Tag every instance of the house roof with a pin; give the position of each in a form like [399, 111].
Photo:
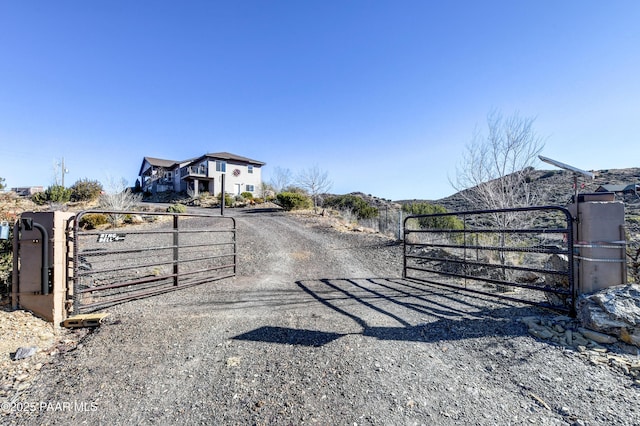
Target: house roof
[625, 187]
[160, 162]
[169, 164]
[157, 162]
[232, 157]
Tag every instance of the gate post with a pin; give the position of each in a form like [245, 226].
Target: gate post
[600, 251]
[36, 272]
[222, 195]
[16, 264]
[175, 249]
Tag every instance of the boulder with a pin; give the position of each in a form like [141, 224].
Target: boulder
[23, 353]
[557, 262]
[136, 219]
[614, 311]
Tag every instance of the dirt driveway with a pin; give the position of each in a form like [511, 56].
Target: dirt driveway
[318, 328]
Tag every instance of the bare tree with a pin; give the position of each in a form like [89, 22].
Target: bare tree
[315, 182]
[281, 178]
[495, 173]
[119, 197]
[495, 170]
[266, 190]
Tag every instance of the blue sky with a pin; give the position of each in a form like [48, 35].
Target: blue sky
[383, 95]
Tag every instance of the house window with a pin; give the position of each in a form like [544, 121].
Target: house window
[250, 169]
[250, 188]
[221, 166]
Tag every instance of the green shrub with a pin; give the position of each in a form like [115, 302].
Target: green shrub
[294, 201]
[437, 222]
[353, 203]
[633, 219]
[59, 194]
[228, 200]
[86, 190]
[247, 195]
[39, 198]
[177, 208]
[53, 194]
[294, 189]
[93, 220]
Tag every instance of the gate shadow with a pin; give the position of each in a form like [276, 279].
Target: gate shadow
[421, 313]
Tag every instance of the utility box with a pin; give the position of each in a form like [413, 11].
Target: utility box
[600, 247]
[40, 279]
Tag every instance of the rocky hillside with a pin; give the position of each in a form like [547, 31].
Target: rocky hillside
[557, 187]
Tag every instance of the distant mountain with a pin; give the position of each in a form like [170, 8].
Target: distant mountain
[557, 187]
[557, 190]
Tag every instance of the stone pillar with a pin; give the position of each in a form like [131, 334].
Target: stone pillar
[196, 184]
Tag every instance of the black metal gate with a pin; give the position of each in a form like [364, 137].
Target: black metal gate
[523, 254]
[140, 254]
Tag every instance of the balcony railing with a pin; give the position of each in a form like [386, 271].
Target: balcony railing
[194, 171]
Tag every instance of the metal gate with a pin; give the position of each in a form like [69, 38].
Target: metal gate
[6, 253]
[522, 254]
[142, 254]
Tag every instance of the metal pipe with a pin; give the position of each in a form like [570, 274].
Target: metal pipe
[222, 195]
[15, 276]
[45, 258]
[75, 263]
[176, 250]
[623, 238]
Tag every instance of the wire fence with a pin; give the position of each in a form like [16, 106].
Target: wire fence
[388, 221]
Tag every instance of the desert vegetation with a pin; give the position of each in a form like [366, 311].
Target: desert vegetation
[293, 201]
[83, 194]
[84, 190]
[353, 204]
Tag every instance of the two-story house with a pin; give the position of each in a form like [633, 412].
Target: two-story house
[201, 174]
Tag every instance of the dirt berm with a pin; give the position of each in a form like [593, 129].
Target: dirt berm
[319, 328]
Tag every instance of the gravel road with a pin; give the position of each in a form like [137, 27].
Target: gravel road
[319, 328]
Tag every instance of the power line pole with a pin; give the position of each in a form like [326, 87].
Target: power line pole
[63, 171]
